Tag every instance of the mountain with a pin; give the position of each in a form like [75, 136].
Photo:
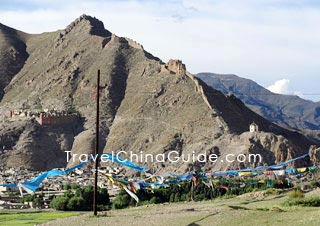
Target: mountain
[147, 106]
[286, 110]
[13, 54]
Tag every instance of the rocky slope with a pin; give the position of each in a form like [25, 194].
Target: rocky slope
[146, 105]
[286, 110]
[12, 54]
[26, 144]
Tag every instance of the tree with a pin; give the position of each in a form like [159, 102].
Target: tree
[103, 196]
[176, 197]
[76, 203]
[74, 186]
[60, 203]
[66, 186]
[153, 200]
[81, 199]
[121, 201]
[87, 195]
[171, 197]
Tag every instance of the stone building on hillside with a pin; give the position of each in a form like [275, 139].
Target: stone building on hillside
[52, 120]
[46, 117]
[176, 66]
[253, 128]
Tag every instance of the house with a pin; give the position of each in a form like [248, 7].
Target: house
[253, 128]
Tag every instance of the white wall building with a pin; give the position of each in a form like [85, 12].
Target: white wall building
[253, 127]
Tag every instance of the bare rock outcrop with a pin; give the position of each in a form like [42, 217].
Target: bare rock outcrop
[314, 153]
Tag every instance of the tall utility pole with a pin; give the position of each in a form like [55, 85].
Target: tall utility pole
[96, 163]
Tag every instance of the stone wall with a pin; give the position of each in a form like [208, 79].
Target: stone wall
[199, 89]
[51, 120]
[176, 66]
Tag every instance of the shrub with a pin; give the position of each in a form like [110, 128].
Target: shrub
[310, 201]
[296, 193]
[37, 200]
[177, 197]
[66, 186]
[87, 194]
[27, 198]
[68, 194]
[76, 203]
[38, 107]
[121, 201]
[171, 197]
[184, 192]
[273, 191]
[60, 203]
[81, 199]
[153, 200]
[185, 197]
[74, 186]
[200, 197]
[103, 208]
[32, 198]
[314, 184]
[103, 196]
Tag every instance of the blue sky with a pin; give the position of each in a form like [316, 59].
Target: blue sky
[274, 42]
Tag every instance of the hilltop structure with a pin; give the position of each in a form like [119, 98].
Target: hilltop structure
[253, 128]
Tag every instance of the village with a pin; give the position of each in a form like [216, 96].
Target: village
[53, 186]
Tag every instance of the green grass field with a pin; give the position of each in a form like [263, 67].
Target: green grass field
[30, 218]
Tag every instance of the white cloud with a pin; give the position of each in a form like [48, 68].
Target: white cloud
[280, 86]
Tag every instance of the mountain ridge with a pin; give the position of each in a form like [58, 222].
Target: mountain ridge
[13, 54]
[146, 105]
[286, 110]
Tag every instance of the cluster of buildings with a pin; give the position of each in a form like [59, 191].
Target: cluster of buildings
[10, 196]
[46, 117]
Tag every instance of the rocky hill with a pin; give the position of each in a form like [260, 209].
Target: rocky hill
[13, 54]
[146, 105]
[286, 110]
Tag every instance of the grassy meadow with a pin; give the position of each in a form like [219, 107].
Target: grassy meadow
[30, 217]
